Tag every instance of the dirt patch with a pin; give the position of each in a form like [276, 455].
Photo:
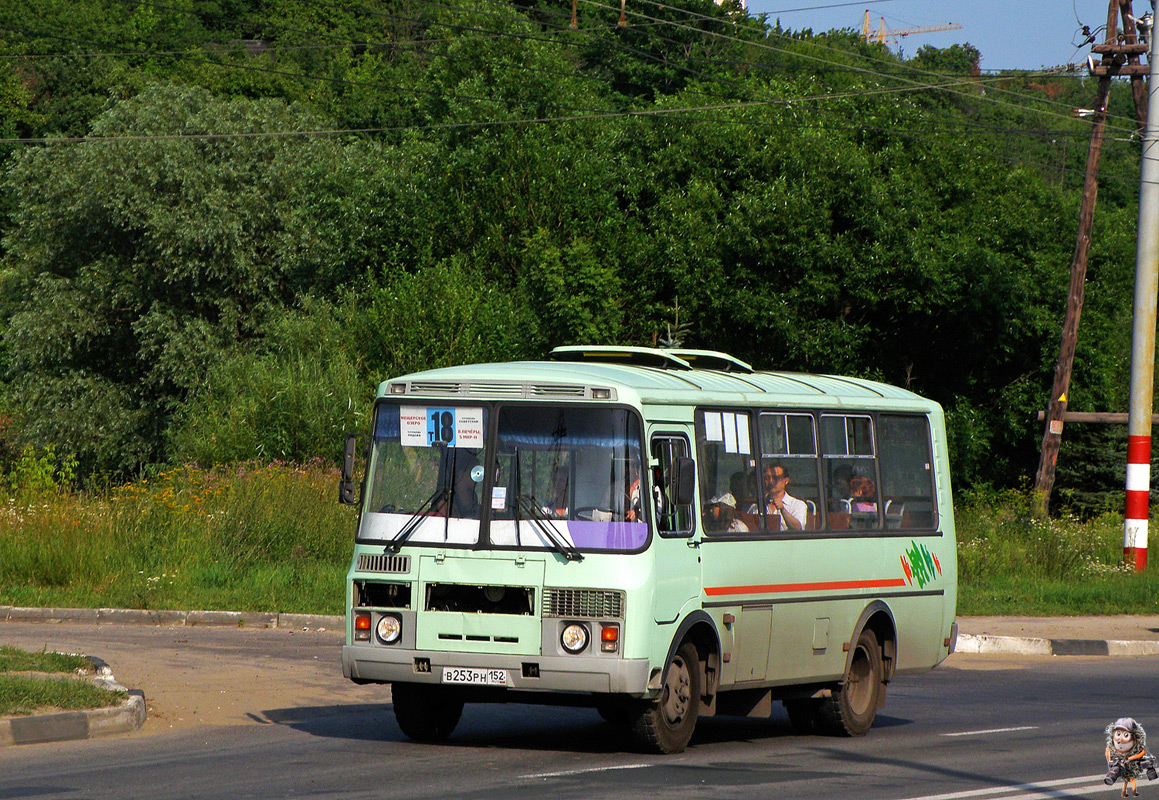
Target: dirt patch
[205, 676]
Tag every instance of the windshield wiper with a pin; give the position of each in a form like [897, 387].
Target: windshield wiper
[412, 524]
[535, 512]
[546, 527]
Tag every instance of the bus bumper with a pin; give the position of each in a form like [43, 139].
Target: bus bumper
[374, 664]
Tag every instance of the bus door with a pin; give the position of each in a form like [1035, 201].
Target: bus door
[677, 563]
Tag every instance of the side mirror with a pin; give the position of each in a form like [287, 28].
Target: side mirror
[684, 480]
[347, 495]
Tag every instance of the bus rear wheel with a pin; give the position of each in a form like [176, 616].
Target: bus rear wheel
[666, 725]
[425, 713]
[850, 710]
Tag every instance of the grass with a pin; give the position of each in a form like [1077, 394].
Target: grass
[14, 660]
[244, 537]
[1009, 562]
[273, 538]
[21, 695]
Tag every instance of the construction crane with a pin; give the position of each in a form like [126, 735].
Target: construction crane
[886, 36]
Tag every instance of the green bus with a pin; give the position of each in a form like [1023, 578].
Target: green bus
[661, 534]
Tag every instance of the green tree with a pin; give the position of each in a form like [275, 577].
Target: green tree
[135, 260]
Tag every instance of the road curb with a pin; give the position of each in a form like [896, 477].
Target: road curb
[70, 725]
[1030, 646]
[132, 616]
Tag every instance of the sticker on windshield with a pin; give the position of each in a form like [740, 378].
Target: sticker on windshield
[412, 424]
[454, 427]
[469, 427]
[498, 498]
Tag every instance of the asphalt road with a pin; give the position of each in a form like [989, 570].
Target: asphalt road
[978, 726]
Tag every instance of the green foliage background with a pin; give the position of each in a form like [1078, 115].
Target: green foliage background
[222, 223]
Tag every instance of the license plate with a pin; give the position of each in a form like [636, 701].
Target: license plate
[479, 677]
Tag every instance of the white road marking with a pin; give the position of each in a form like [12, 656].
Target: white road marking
[581, 771]
[1030, 791]
[993, 730]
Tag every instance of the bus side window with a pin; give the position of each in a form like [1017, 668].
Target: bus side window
[907, 476]
[849, 457]
[725, 457]
[672, 517]
[789, 445]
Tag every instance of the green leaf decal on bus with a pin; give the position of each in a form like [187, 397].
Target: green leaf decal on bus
[920, 565]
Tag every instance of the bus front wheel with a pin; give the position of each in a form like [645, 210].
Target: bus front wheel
[853, 705]
[666, 725]
[425, 713]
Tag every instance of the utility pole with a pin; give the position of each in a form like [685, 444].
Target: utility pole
[1143, 341]
[1118, 58]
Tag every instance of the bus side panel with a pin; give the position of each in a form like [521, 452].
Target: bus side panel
[794, 604]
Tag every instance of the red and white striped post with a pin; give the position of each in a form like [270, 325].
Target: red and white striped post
[1143, 332]
[1138, 495]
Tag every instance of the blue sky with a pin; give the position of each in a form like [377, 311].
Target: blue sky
[1012, 34]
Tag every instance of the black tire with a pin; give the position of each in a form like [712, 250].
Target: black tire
[666, 725]
[425, 713]
[853, 705]
[804, 714]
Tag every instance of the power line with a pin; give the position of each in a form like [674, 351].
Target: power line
[815, 44]
[590, 115]
[677, 113]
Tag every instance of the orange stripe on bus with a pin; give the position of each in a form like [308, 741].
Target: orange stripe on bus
[714, 591]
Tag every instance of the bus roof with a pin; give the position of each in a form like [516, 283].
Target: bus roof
[648, 375]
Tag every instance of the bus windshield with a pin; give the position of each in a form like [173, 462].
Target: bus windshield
[425, 475]
[556, 477]
[568, 474]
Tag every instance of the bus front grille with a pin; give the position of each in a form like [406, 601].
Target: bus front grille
[399, 565]
[593, 603]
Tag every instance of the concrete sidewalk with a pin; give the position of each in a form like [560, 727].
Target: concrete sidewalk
[1121, 635]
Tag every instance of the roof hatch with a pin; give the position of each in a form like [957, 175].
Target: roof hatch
[652, 357]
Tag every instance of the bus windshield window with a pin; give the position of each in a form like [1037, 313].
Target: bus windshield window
[425, 474]
[569, 476]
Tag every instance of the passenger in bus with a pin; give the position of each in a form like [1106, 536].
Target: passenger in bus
[720, 516]
[633, 512]
[839, 487]
[862, 492]
[743, 486]
[781, 508]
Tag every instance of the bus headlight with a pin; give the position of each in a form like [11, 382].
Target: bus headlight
[389, 629]
[574, 638]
